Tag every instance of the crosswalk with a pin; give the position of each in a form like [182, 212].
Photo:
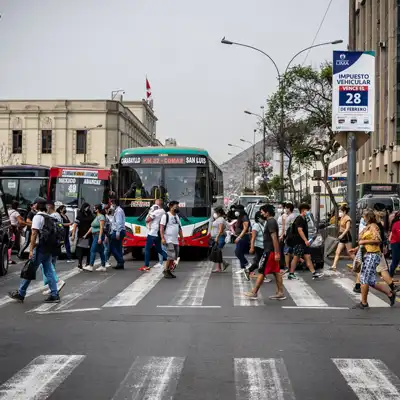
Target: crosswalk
[159, 378]
[106, 291]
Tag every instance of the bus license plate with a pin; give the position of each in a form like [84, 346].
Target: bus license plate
[137, 229]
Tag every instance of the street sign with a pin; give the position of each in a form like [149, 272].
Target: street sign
[353, 91]
[337, 178]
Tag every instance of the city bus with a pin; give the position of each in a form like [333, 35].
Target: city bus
[373, 189]
[23, 183]
[187, 175]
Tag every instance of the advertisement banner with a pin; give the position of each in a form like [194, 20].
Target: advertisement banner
[353, 91]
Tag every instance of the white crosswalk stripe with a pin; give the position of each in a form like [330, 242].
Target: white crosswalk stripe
[240, 286]
[303, 294]
[40, 378]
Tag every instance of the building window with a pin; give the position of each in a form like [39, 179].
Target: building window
[17, 142]
[46, 141]
[81, 137]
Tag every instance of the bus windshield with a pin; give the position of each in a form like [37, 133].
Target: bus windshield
[76, 192]
[25, 190]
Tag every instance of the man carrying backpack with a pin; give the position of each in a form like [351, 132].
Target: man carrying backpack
[43, 242]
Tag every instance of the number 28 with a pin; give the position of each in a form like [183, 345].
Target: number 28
[353, 98]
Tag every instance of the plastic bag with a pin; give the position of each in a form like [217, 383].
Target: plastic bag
[28, 271]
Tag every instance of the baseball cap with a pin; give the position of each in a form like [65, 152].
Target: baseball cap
[39, 200]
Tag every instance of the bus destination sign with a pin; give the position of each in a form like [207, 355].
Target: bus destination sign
[165, 160]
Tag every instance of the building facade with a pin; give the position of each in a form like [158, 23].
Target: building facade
[374, 25]
[57, 132]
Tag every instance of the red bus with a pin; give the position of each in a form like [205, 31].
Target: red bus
[75, 185]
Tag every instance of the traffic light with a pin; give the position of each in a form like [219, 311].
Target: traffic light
[337, 178]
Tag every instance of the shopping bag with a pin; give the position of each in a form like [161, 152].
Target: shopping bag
[83, 243]
[28, 271]
[358, 261]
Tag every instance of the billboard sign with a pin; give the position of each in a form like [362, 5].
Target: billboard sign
[353, 91]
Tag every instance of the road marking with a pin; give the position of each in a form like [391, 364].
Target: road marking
[348, 284]
[193, 290]
[303, 294]
[38, 286]
[40, 378]
[262, 379]
[72, 310]
[240, 286]
[152, 378]
[368, 378]
[315, 308]
[136, 291]
[188, 306]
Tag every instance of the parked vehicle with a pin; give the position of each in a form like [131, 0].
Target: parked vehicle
[390, 201]
[5, 237]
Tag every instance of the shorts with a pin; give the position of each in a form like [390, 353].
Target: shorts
[268, 264]
[382, 265]
[172, 251]
[346, 239]
[287, 250]
[300, 249]
[368, 269]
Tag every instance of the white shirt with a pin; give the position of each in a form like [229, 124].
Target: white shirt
[13, 214]
[281, 219]
[38, 220]
[156, 217]
[171, 232]
[57, 217]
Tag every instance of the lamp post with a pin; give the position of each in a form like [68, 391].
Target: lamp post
[262, 120]
[115, 92]
[254, 154]
[281, 87]
[87, 131]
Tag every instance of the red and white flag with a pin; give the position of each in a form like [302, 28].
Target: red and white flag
[148, 89]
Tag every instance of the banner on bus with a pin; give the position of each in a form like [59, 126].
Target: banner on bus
[165, 159]
[353, 91]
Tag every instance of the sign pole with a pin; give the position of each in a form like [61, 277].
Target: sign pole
[352, 182]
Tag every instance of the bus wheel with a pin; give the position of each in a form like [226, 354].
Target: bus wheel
[4, 260]
[137, 253]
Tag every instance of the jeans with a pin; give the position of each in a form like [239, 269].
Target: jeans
[53, 271]
[156, 241]
[44, 260]
[116, 247]
[242, 247]
[28, 234]
[97, 248]
[395, 258]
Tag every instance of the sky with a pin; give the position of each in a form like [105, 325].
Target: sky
[84, 49]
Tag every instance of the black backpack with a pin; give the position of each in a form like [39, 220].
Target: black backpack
[291, 233]
[52, 235]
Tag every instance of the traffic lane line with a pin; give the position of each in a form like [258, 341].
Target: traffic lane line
[315, 308]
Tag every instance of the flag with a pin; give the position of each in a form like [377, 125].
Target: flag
[148, 89]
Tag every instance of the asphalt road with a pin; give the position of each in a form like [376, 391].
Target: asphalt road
[132, 335]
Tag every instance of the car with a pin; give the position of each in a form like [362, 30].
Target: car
[5, 237]
[317, 247]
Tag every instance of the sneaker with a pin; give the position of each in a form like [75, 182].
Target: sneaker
[214, 271]
[101, 269]
[16, 296]
[158, 265]
[177, 261]
[52, 299]
[88, 268]
[70, 261]
[108, 265]
[392, 299]
[60, 285]
[167, 274]
[80, 267]
[118, 267]
[225, 265]
[246, 274]
[292, 276]
[267, 280]
[317, 275]
[251, 295]
[278, 297]
[361, 306]
[144, 269]
[241, 270]
[171, 274]
[357, 289]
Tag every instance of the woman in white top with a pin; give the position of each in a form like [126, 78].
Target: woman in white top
[218, 236]
[17, 223]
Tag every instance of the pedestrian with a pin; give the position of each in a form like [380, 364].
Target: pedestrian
[41, 252]
[28, 230]
[153, 220]
[170, 231]
[282, 216]
[345, 240]
[51, 211]
[117, 235]
[256, 244]
[394, 238]
[17, 224]
[270, 261]
[108, 230]
[97, 231]
[242, 241]
[288, 247]
[301, 244]
[62, 211]
[81, 226]
[369, 245]
[218, 240]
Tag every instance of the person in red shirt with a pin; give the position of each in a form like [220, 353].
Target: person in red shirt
[394, 238]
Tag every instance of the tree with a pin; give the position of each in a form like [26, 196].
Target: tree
[6, 157]
[305, 101]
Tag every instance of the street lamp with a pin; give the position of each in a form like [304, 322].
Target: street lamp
[281, 86]
[235, 145]
[115, 92]
[254, 155]
[87, 130]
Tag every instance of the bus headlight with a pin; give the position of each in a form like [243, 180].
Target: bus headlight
[202, 229]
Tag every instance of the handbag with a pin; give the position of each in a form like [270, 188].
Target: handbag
[358, 261]
[83, 243]
[28, 271]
